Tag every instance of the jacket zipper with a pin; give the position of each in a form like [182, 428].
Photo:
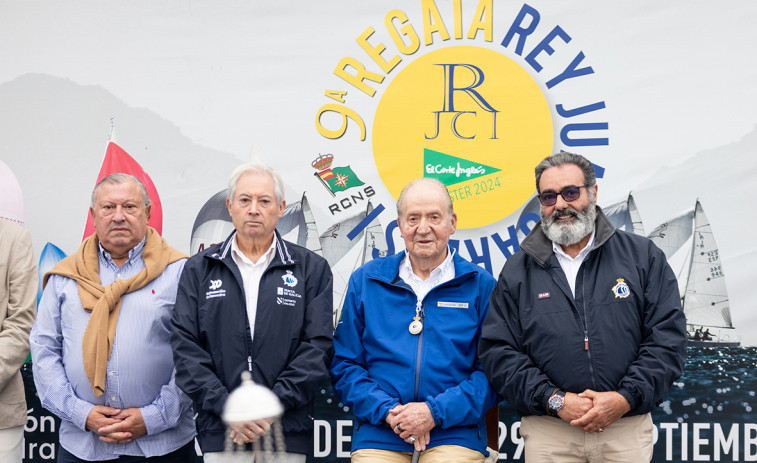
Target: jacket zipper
[274, 264]
[423, 318]
[585, 318]
[420, 349]
[582, 317]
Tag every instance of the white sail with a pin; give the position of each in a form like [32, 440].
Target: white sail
[373, 246]
[212, 224]
[637, 227]
[705, 300]
[674, 238]
[291, 224]
[312, 240]
[625, 216]
[374, 243]
[336, 242]
[670, 236]
[297, 225]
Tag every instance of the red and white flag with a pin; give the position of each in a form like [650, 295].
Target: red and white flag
[117, 160]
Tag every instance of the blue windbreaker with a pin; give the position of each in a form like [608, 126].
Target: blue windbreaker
[379, 364]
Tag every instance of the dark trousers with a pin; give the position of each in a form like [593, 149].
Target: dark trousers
[184, 454]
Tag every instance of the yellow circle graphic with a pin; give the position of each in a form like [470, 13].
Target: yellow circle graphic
[470, 117]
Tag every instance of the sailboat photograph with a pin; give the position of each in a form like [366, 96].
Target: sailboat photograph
[690, 247]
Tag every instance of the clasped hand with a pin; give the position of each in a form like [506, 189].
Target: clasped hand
[250, 431]
[116, 426]
[413, 423]
[593, 411]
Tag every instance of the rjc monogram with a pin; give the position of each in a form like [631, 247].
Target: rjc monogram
[449, 100]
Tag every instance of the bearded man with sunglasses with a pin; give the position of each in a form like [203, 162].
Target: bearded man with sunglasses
[585, 332]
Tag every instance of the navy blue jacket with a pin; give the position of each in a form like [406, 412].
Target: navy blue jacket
[289, 353]
[623, 331]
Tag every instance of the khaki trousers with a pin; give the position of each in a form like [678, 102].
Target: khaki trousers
[549, 439]
[11, 440]
[440, 454]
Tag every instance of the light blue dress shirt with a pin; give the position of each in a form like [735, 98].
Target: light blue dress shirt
[140, 372]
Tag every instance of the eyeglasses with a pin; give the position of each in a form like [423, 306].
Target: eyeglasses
[569, 194]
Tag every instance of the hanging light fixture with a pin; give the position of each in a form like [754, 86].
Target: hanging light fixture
[251, 402]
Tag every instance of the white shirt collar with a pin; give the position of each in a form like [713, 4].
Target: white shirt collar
[239, 257]
[581, 255]
[441, 274]
[570, 265]
[406, 268]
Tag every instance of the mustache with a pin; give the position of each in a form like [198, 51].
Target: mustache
[567, 212]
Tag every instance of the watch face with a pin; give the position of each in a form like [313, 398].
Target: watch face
[556, 402]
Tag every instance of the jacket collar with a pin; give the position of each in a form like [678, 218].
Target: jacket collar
[388, 268]
[538, 246]
[281, 255]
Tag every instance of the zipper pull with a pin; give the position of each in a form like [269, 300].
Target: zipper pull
[586, 342]
[249, 363]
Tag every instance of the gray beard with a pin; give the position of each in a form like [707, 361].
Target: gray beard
[567, 234]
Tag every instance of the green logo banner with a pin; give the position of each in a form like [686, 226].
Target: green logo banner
[342, 179]
[451, 169]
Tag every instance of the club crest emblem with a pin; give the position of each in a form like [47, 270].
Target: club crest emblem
[289, 279]
[621, 289]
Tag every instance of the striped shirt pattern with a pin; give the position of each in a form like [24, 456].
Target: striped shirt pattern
[140, 371]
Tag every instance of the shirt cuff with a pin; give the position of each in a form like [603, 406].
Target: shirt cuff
[80, 412]
[153, 419]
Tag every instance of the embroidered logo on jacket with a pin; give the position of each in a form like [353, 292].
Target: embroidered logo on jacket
[543, 296]
[287, 302]
[621, 289]
[288, 292]
[289, 279]
[214, 289]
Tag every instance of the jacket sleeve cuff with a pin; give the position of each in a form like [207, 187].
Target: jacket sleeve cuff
[384, 411]
[544, 402]
[630, 396]
[433, 406]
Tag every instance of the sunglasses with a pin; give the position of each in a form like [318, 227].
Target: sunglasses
[569, 194]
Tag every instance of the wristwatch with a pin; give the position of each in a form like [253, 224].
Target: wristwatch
[555, 402]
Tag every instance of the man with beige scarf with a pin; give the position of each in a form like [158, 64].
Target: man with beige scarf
[102, 358]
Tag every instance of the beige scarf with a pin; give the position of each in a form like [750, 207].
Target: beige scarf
[104, 302]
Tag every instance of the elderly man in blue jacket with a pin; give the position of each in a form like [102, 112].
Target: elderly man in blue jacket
[405, 349]
[586, 333]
